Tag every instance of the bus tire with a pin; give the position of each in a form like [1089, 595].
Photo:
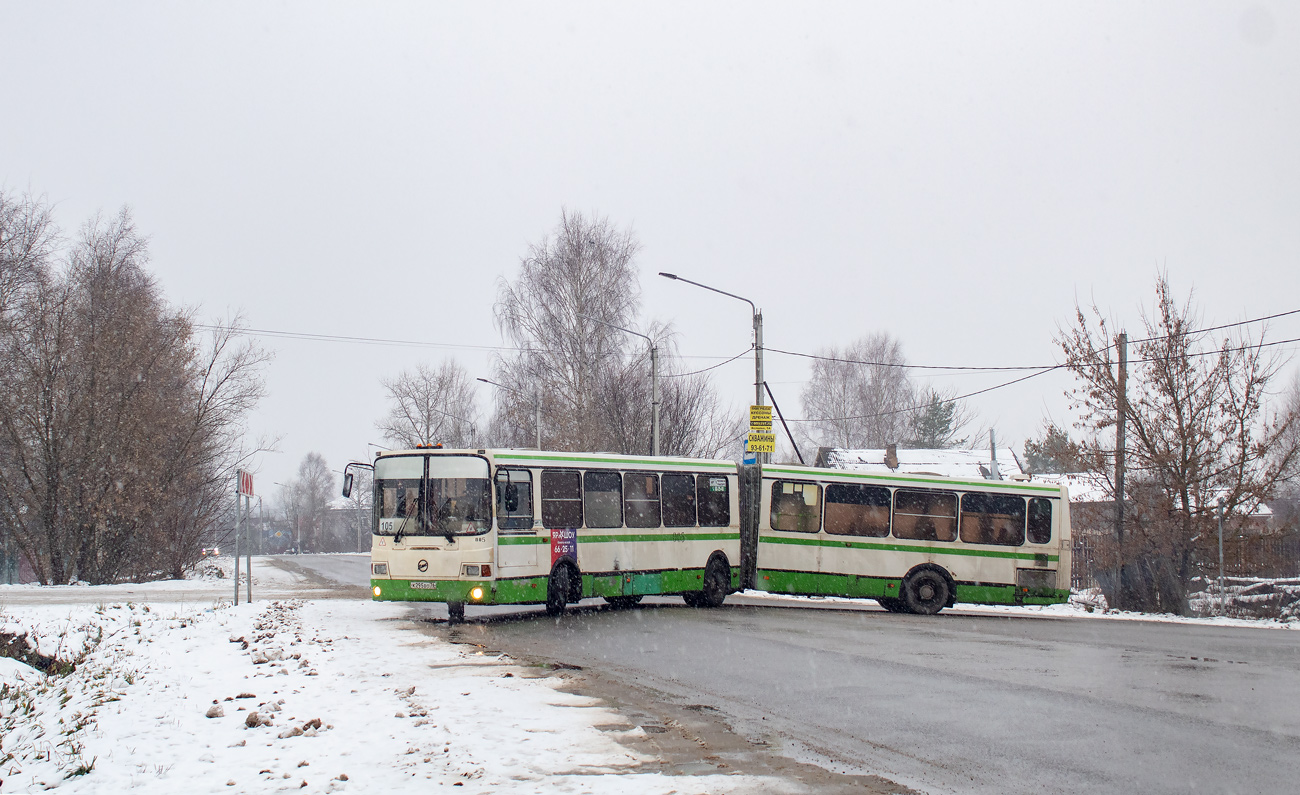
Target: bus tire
[892, 604]
[455, 612]
[717, 583]
[622, 602]
[926, 591]
[559, 587]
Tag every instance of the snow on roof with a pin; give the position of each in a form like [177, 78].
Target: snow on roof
[1083, 486]
[946, 463]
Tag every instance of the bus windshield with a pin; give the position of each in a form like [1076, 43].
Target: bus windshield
[460, 496]
[454, 496]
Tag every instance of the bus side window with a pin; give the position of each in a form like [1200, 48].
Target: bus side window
[714, 501]
[796, 507]
[679, 500]
[993, 519]
[514, 499]
[853, 510]
[925, 515]
[1040, 521]
[602, 499]
[561, 498]
[641, 499]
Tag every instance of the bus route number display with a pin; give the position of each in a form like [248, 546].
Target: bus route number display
[564, 543]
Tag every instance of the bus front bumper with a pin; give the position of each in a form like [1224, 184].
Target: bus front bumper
[480, 592]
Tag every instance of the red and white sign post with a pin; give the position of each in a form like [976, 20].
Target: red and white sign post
[244, 490]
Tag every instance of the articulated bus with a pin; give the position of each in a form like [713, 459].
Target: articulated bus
[497, 527]
[492, 527]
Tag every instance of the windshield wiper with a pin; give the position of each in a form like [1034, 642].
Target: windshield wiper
[401, 531]
[439, 519]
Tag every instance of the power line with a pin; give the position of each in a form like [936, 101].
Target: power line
[1023, 367]
[1046, 370]
[312, 337]
[710, 367]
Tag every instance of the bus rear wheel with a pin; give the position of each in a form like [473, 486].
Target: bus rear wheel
[925, 592]
[558, 587]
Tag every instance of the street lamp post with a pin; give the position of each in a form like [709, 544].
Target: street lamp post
[654, 379]
[758, 338]
[537, 407]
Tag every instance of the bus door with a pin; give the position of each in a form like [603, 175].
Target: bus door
[517, 540]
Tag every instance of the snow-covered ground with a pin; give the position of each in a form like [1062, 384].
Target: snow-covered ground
[348, 695]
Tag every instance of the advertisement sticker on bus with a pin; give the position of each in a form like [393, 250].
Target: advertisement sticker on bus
[564, 543]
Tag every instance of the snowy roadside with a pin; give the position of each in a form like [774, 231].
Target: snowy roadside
[347, 697]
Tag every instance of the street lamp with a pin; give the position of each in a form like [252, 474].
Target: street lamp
[654, 379]
[758, 337]
[537, 406]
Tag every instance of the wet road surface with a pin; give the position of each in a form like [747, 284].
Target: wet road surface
[957, 703]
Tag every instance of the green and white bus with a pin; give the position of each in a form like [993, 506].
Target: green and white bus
[491, 527]
[914, 543]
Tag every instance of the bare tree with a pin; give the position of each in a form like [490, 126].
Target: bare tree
[593, 381]
[306, 502]
[428, 406]
[112, 443]
[859, 396]
[27, 238]
[1198, 432]
[585, 270]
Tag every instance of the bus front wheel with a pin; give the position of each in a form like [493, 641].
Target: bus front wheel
[455, 612]
[558, 587]
[925, 592]
[717, 582]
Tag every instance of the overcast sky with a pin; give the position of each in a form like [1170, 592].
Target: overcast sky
[956, 174]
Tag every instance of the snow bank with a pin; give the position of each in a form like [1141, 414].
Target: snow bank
[326, 696]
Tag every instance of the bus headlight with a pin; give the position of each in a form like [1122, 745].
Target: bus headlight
[376, 591]
[475, 593]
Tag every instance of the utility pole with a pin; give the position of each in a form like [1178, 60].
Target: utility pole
[248, 568]
[237, 506]
[1121, 412]
[1223, 599]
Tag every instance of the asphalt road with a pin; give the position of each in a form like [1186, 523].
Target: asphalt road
[953, 703]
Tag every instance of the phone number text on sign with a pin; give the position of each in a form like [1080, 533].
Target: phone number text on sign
[564, 543]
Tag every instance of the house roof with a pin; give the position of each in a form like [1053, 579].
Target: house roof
[945, 463]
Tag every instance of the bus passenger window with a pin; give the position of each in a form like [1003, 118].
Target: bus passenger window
[714, 501]
[561, 499]
[1040, 521]
[796, 507]
[925, 515]
[679, 500]
[853, 510]
[514, 499]
[641, 499]
[993, 519]
[602, 499]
